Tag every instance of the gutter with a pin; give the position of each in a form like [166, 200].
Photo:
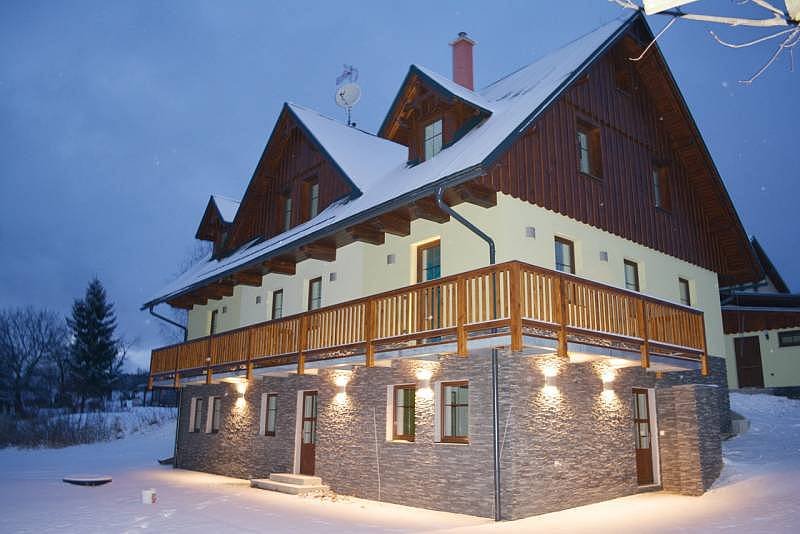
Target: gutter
[168, 320]
[495, 395]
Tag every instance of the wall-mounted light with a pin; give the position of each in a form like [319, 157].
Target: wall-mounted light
[424, 389]
[340, 380]
[550, 371]
[607, 377]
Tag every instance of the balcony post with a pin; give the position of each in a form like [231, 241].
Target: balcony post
[561, 312]
[150, 383]
[208, 370]
[369, 333]
[515, 298]
[176, 383]
[461, 316]
[301, 345]
[643, 330]
[249, 355]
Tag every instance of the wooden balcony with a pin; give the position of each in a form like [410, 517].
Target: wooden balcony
[449, 314]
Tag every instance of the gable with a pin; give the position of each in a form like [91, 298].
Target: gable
[648, 125]
[424, 97]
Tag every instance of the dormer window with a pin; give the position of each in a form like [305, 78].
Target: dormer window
[433, 139]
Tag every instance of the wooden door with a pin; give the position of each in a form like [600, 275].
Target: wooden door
[644, 442]
[748, 362]
[308, 433]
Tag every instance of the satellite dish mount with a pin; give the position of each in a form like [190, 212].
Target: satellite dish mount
[348, 94]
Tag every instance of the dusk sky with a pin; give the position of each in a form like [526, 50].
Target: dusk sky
[118, 119]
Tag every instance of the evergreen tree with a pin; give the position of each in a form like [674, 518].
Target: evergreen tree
[95, 356]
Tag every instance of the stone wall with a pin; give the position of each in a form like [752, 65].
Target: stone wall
[562, 446]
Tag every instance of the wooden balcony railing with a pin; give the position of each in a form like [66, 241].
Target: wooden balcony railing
[528, 302]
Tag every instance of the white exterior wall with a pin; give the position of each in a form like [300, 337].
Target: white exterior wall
[781, 365]
[361, 269]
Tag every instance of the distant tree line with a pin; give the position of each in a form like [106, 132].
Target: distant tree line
[50, 362]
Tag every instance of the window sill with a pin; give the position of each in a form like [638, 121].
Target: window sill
[665, 211]
[402, 441]
[457, 443]
[590, 176]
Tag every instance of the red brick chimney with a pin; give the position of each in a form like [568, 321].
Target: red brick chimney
[462, 60]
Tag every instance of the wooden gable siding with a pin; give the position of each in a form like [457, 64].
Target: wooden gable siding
[542, 167]
[297, 162]
[289, 159]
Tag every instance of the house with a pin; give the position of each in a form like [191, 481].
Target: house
[762, 331]
[508, 296]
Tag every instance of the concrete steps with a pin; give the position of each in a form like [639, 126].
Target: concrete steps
[289, 483]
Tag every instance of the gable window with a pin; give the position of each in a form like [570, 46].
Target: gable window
[790, 338]
[683, 289]
[631, 275]
[310, 198]
[315, 293]
[214, 413]
[565, 255]
[429, 261]
[212, 327]
[269, 412]
[433, 139]
[277, 304]
[196, 415]
[589, 159]
[455, 412]
[404, 412]
[287, 212]
[661, 193]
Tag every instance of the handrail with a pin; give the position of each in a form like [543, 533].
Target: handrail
[459, 303]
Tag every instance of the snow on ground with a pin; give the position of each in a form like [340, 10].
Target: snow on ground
[757, 492]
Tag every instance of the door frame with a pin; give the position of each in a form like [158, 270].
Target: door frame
[738, 346]
[298, 428]
[652, 415]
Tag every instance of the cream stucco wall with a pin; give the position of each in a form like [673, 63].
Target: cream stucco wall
[363, 269]
[781, 365]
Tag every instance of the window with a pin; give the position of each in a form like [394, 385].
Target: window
[404, 412]
[589, 161]
[311, 198]
[287, 212]
[429, 261]
[790, 338]
[631, 275]
[315, 293]
[455, 412]
[196, 415]
[258, 299]
[565, 255]
[683, 289]
[216, 406]
[269, 412]
[277, 304]
[433, 139]
[212, 329]
[661, 194]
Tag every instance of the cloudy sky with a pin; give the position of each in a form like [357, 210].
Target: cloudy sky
[119, 118]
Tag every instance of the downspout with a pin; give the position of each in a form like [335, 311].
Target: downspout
[170, 321]
[495, 397]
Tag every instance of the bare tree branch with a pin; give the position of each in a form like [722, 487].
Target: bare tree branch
[749, 43]
[769, 7]
[639, 58]
[789, 42]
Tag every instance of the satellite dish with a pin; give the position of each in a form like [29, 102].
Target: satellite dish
[348, 95]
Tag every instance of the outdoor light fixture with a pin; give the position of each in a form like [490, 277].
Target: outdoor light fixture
[608, 376]
[550, 371]
[341, 380]
[424, 376]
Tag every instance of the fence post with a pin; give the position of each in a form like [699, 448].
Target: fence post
[369, 333]
[704, 356]
[461, 316]
[562, 316]
[643, 331]
[515, 299]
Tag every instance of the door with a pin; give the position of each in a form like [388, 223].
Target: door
[429, 267]
[644, 442]
[308, 433]
[748, 362]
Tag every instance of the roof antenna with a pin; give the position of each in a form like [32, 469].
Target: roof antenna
[348, 94]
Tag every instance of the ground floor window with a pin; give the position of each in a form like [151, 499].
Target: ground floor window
[215, 405]
[269, 412]
[455, 412]
[404, 412]
[196, 415]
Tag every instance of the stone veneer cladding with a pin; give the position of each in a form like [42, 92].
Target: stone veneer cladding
[559, 450]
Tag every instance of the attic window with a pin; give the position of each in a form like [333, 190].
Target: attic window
[433, 139]
[310, 198]
[661, 194]
[589, 158]
[286, 209]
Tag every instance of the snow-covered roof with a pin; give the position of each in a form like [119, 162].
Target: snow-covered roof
[227, 207]
[379, 168]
